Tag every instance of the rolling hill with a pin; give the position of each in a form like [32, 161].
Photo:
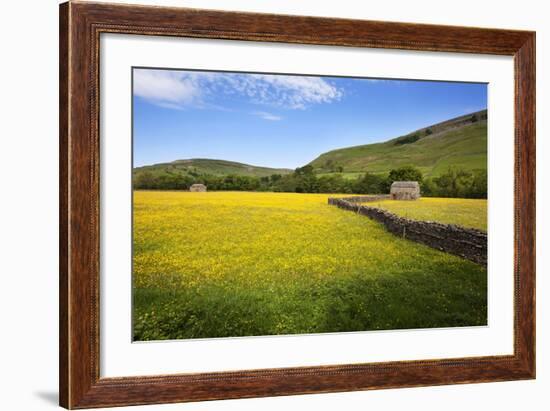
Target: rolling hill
[461, 141]
[203, 166]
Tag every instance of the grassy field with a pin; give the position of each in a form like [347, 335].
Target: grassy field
[223, 264]
[459, 211]
[210, 167]
[347, 176]
[465, 147]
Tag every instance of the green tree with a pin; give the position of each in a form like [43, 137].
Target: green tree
[305, 170]
[407, 139]
[428, 188]
[478, 188]
[144, 180]
[455, 182]
[405, 173]
[369, 184]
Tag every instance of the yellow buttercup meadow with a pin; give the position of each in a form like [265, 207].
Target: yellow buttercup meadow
[219, 264]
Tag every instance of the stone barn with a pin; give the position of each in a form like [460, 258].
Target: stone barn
[198, 188]
[405, 190]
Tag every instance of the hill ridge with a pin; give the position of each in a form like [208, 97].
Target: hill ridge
[458, 141]
[210, 166]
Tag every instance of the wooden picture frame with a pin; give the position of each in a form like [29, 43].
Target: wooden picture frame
[80, 27]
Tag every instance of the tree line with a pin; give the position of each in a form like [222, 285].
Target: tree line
[455, 182]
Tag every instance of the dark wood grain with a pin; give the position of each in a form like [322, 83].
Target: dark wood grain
[63, 205]
[525, 203]
[80, 27]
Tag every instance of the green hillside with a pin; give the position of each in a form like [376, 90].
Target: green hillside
[200, 166]
[461, 141]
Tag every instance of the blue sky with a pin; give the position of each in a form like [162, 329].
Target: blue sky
[281, 120]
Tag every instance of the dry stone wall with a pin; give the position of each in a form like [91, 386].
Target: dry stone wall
[467, 243]
[363, 199]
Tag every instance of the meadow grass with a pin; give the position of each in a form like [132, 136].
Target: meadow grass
[227, 264]
[464, 147]
[460, 211]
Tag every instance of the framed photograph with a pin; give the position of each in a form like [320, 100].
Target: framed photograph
[257, 205]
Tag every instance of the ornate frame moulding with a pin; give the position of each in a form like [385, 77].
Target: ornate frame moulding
[81, 24]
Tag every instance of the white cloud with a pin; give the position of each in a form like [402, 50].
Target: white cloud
[164, 87]
[180, 89]
[296, 91]
[267, 116]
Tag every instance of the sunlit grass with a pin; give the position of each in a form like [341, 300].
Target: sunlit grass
[221, 264]
[460, 211]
